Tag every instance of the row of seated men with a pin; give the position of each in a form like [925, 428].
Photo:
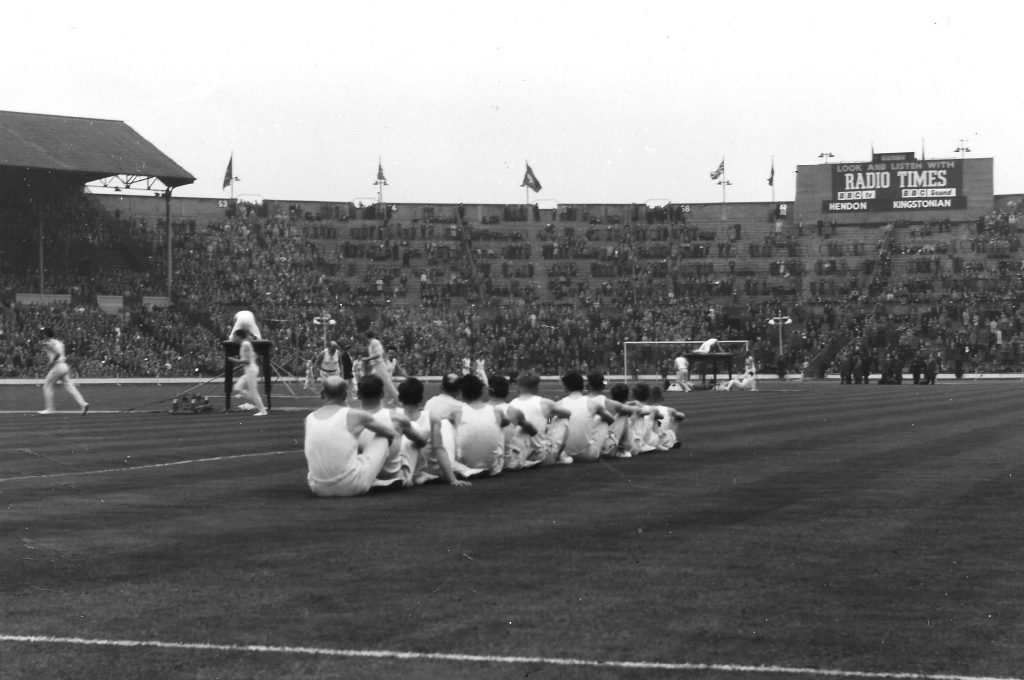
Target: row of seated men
[469, 429]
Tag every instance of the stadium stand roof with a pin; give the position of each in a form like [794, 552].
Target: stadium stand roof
[87, 148]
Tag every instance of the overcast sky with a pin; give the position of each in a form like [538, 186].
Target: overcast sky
[609, 102]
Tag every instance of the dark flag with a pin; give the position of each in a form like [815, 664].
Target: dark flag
[380, 173]
[771, 177]
[229, 173]
[719, 171]
[530, 179]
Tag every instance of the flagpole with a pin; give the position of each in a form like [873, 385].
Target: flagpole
[526, 210]
[724, 183]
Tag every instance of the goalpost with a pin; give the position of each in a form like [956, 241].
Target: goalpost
[656, 358]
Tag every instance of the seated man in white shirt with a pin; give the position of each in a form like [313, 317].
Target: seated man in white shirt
[480, 441]
[341, 463]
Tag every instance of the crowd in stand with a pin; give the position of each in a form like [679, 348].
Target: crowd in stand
[443, 291]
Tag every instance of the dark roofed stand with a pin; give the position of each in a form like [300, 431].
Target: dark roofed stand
[84, 150]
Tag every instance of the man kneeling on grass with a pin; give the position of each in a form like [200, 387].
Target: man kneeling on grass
[341, 463]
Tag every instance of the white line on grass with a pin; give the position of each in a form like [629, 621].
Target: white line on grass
[147, 467]
[475, 658]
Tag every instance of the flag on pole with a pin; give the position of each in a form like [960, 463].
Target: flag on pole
[229, 173]
[380, 172]
[771, 177]
[530, 180]
[719, 171]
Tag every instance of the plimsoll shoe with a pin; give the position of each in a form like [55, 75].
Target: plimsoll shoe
[85, 409]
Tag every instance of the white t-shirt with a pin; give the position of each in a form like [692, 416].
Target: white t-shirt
[581, 423]
[331, 450]
[480, 440]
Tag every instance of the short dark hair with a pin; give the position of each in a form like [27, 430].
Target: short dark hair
[370, 387]
[47, 331]
[641, 392]
[410, 391]
[450, 383]
[498, 386]
[656, 392]
[620, 392]
[596, 380]
[471, 386]
[573, 381]
[529, 380]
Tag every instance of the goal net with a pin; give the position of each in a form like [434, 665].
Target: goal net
[655, 359]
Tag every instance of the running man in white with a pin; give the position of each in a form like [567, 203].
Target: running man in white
[683, 373]
[245, 384]
[341, 462]
[245, 321]
[57, 372]
[375, 365]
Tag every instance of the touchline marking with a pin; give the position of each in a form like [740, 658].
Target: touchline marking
[147, 467]
[475, 658]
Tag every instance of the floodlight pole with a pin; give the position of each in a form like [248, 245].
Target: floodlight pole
[39, 230]
[170, 249]
[780, 321]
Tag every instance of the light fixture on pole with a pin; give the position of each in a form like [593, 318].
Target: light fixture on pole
[780, 321]
[962, 149]
[326, 321]
[826, 155]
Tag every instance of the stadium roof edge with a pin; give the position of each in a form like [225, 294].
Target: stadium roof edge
[86, 148]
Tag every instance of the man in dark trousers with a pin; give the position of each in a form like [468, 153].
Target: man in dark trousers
[346, 363]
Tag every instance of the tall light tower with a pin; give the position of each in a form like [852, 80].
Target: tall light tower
[780, 321]
[326, 321]
[962, 149]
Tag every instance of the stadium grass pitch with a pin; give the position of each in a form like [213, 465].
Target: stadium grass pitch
[809, 529]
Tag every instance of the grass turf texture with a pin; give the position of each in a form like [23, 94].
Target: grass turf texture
[809, 525]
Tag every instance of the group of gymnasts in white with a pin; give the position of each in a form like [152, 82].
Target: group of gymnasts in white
[471, 428]
[747, 382]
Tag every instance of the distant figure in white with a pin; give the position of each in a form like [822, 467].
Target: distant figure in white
[245, 384]
[57, 372]
[683, 373]
[245, 321]
[708, 346]
[745, 383]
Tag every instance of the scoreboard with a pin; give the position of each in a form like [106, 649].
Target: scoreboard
[895, 182]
